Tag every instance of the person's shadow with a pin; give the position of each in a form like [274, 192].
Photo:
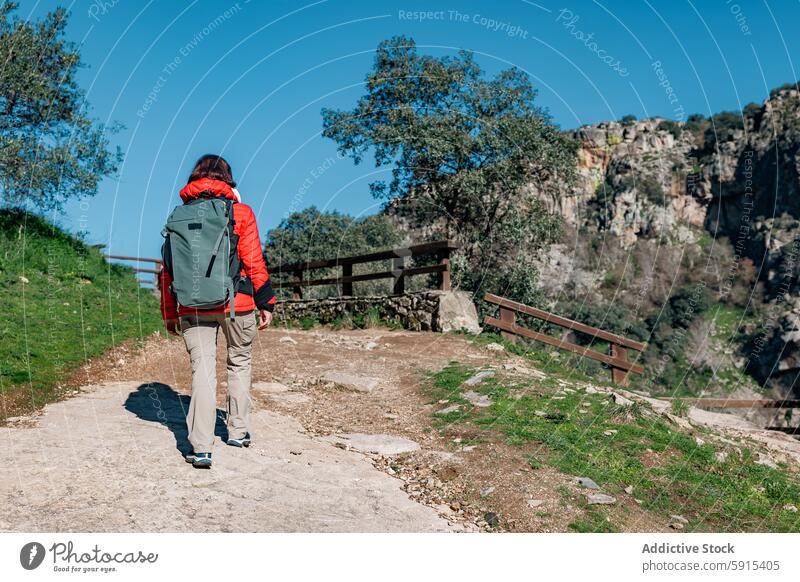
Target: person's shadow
[156, 402]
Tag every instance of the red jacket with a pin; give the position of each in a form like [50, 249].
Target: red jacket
[250, 255]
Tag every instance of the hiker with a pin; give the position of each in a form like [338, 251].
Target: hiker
[215, 277]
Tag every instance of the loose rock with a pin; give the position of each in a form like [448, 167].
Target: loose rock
[351, 381]
[480, 400]
[381, 444]
[479, 377]
[449, 409]
[621, 400]
[600, 499]
[270, 387]
[588, 483]
[766, 460]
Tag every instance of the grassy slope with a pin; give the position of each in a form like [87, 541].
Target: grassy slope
[671, 472]
[73, 306]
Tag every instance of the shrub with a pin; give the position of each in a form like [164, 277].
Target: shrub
[722, 125]
[696, 123]
[652, 191]
[670, 126]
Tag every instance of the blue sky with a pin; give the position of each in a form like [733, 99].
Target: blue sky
[248, 79]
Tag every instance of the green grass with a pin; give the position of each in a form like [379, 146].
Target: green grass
[73, 306]
[679, 407]
[552, 361]
[669, 470]
[704, 242]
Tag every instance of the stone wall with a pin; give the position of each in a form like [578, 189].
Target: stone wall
[422, 311]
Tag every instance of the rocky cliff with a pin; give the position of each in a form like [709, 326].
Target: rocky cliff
[662, 206]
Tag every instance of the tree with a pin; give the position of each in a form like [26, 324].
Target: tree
[50, 150]
[311, 234]
[473, 158]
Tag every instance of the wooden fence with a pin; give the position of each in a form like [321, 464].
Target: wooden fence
[617, 360]
[299, 271]
[137, 269]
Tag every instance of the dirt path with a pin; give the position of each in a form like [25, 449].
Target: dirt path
[109, 458]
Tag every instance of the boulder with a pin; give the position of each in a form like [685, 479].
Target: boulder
[456, 312]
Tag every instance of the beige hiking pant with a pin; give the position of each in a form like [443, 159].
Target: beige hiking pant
[200, 334]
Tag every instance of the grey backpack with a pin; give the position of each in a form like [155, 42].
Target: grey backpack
[200, 253]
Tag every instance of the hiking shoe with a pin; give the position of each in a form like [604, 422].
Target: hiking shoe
[242, 442]
[200, 460]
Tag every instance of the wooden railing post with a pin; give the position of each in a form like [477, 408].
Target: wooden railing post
[398, 278]
[298, 275]
[444, 276]
[617, 359]
[508, 316]
[347, 286]
[618, 375]
[297, 290]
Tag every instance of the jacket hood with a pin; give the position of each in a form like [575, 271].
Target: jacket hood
[218, 188]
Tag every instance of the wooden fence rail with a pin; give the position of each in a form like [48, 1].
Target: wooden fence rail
[398, 274]
[617, 360]
[158, 266]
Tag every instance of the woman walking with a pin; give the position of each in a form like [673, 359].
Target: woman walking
[202, 292]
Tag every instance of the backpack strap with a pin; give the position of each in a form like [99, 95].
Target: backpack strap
[228, 232]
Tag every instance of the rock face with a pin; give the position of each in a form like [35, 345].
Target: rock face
[655, 177]
[442, 311]
[727, 187]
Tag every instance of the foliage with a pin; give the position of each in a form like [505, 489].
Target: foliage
[784, 87]
[629, 119]
[722, 124]
[465, 152]
[751, 110]
[62, 303]
[696, 123]
[50, 151]
[614, 317]
[650, 188]
[670, 126]
[313, 234]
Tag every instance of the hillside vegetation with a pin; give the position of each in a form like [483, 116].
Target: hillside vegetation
[62, 303]
[681, 473]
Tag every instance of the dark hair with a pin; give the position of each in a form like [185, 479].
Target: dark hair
[214, 167]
